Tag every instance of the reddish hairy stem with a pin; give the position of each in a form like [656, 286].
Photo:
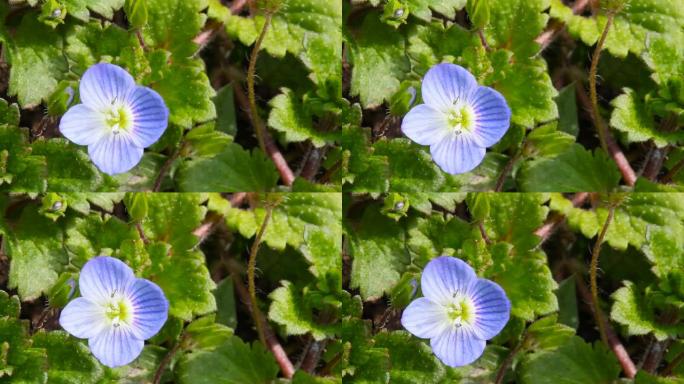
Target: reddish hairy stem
[272, 150]
[209, 225]
[550, 34]
[613, 149]
[614, 342]
[272, 342]
[552, 223]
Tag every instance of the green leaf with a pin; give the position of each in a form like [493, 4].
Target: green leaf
[547, 141]
[172, 217]
[186, 18]
[567, 172]
[411, 360]
[528, 90]
[136, 12]
[37, 63]
[233, 362]
[514, 217]
[379, 256]
[88, 44]
[632, 309]
[186, 91]
[293, 23]
[186, 282]
[581, 362]
[232, 170]
[79, 8]
[69, 168]
[567, 110]
[68, 360]
[528, 283]
[20, 170]
[515, 24]
[204, 333]
[410, 166]
[225, 303]
[631, 116]
[19, 362]
[421, 8]
[293, 219]
[289, 308]
[638, 215]
[36, 254]
[379, 62]
[9, 305]
[643, 377]
[225, 110]
[637, 22]
[289, 116]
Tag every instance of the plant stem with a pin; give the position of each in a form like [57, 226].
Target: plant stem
[607, 142]
[251, 268]
[593, 270]
[614, 343]
[507, 362]
[167, 359]
[271, 341]
[166, 166]
[272, 150]
[256, 120]
[552, 223]
[673, 364]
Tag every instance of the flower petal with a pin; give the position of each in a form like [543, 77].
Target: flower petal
[103, 83]
[150, 308]
[457, 347]
[493, 117]
[425, 125]
[457, 154]
[424, 318]
[492, 308]
[445, 83]
[116, 346]
[115, 153]
[83, 125]
[150, 116]
[444, 276]
[82, 318]
[103, 275]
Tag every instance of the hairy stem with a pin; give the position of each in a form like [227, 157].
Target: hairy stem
[271, 341]
[167, 359]
[673, 364]
[607, 142]
[272, 150]
[509, 359]
[614, 343]
[251, 71]
[251, 268]
[552, 223]
[593, 270]
[166, 166]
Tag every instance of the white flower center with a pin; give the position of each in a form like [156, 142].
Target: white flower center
[461, 117]
[118, 310]
[119, 117]
[460, 311]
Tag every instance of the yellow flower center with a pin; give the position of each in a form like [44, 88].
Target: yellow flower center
[118, 311]
[460, 311]
[119, 118]
[461, 118]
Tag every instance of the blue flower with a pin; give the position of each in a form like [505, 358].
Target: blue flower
[458, 313]
[116, 311]
[116, 119]
[458, 120]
